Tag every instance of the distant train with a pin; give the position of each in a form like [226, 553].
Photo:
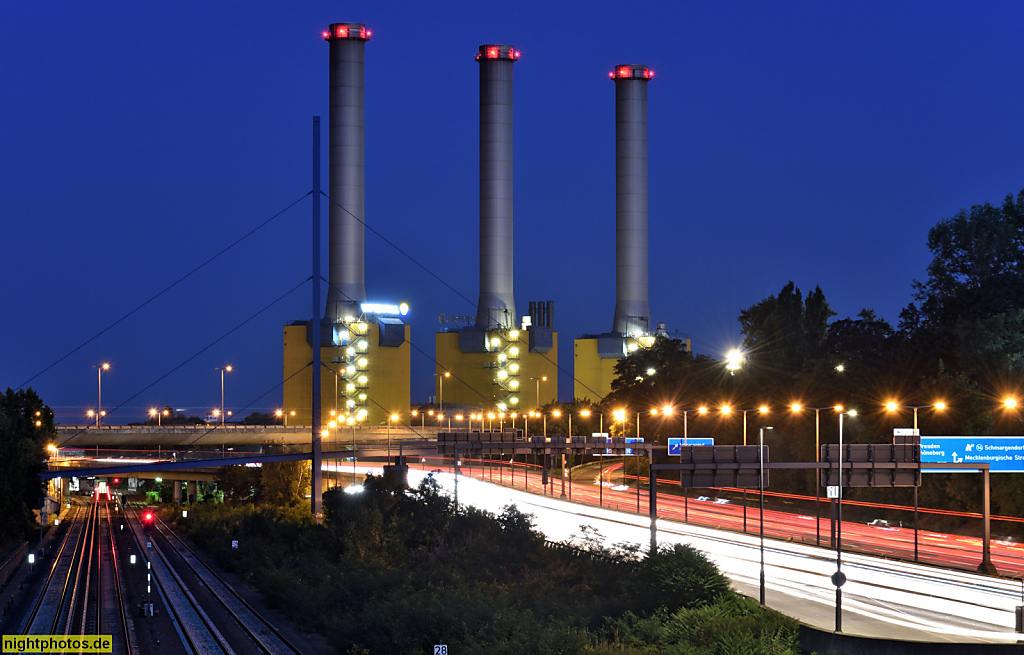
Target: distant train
[102, 491]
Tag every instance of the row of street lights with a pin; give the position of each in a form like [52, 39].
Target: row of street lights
[99, 412]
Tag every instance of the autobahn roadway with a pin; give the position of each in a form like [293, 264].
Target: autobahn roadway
[947, 550]
[883, 598]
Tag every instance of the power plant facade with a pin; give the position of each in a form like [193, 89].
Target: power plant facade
[492, 363]
[497, 360]
[595, 355]
[364, 346]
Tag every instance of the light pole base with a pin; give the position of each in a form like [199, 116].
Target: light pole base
[987, 568]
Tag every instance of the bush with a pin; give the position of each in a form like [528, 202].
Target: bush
[397, 571]
[682, 577]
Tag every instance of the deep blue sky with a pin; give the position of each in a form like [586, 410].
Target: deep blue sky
[813, 142]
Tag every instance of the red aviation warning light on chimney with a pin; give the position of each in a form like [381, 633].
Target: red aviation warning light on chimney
[631, 72]
[347, 31]
[497, 52]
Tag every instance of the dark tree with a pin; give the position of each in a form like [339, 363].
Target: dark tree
[970, 311]
[26, 427]
[785, 333]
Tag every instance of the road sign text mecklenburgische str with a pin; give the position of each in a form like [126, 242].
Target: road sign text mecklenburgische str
[1002, 454]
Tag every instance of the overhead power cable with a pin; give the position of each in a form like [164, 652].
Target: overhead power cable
[204, 349]
[442, 281]
[165, 290]
[399, 250]
[255, 400]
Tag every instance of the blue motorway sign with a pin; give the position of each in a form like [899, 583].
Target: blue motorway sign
[1003, 454]
[674, 443]
[628, 451]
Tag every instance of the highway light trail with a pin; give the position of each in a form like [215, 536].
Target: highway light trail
[882, 597]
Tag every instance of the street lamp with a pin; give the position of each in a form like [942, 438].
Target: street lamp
[440, 389]
[284, 415]
[158, 414]
[838, 578]
[893, 406]
[222, 369]
[99, 390]
[760, 490]
[584, 413]
[393, 417]
[542, 378]
[817, 459]
[702, 410]
[733, 361]
[763, 409]
[686, 419]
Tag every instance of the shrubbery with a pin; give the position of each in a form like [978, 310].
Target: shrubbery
[396, 572]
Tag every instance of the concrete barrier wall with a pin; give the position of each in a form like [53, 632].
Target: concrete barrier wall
[230, 435]
[813, 640]
[15, 558]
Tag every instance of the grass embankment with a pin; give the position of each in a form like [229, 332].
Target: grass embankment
[390, 572]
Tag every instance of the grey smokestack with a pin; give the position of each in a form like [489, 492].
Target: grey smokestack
[346, 169]
[496, 307]
[632, 310]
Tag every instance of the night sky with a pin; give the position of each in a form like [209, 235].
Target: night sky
[813, 142]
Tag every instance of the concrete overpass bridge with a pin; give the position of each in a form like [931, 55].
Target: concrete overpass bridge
[218, 436]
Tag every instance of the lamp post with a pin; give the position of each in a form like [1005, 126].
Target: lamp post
[440, 389]
[324, 435]
[158, 413]
[839, 578]
[667, 410]
[760, 492]
[893, 406]
[763, 409]
[393, 417]
[99, 389]
[542, 378]
[817, 459]
[702, 410]
[584, 413]
[222, 369]
[284, 415]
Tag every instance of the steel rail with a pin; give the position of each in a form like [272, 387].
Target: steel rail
[69, 594]
[243, 624]
[185, 626]
[126, 629]
[53, 572]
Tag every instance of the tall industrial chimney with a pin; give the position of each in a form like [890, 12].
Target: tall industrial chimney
[632, 310]
[346, 170]
[496, 307]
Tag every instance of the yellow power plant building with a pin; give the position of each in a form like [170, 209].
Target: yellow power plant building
[497, 369]
[595, 357]
[365, 376]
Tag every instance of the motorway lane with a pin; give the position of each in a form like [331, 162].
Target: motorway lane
[948, 550]
[883, 598]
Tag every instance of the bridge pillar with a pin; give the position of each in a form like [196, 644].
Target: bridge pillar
[193, 491]
[63, 484]
[177, 492]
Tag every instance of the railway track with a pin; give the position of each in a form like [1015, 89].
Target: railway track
[81, 593]
[211, 616]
